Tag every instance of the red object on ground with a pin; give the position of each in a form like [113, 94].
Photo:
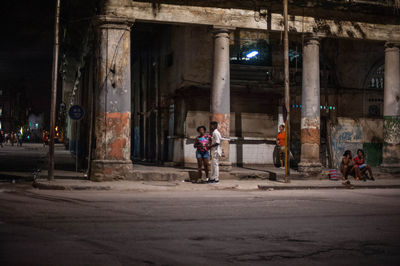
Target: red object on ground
[333, 174]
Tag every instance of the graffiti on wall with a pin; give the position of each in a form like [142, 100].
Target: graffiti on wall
[351, 134]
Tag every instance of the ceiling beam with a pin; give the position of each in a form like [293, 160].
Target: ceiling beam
[249, 19]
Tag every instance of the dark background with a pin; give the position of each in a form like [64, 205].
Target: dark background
[26, 53]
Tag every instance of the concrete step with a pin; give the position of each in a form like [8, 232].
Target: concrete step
[234, 185]
[170, 174]
[162, 174]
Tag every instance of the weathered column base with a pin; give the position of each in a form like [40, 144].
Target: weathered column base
[110, 170]
[309, 162]
[225, 166]
[223, 121]
[224, 163]
[390, 168]
[391, 158]
[391, 145]
[314, 167]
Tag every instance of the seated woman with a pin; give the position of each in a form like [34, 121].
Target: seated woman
[347, 166]
[202, 143]
[362, 167]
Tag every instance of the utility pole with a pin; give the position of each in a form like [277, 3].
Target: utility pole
[54, 93]
[287, 91]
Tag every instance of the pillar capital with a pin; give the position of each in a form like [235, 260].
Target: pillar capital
[114, 22]
[392, 46]
[311, 39]
[222, 31]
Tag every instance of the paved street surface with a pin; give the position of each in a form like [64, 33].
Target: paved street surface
[176, 223]
[301, 227]
[25, 159]
[32, 156]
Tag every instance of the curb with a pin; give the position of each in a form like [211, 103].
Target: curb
[269, 188]
[43, 186]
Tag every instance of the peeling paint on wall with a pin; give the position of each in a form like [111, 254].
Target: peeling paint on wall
[391, 133]
[113, 132]
[391, 136]
[223, 123]
[351, 134]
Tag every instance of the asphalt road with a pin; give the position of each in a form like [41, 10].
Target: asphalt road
[25, 159]
[32, 156]
[324, 227]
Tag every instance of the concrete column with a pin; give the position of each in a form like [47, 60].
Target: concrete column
[112, 99]
[310, 112]
[220, 92]
[391, 109]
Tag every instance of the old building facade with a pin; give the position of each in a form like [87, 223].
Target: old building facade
[148, 73]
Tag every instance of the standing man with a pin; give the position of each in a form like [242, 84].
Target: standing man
[1, 138]
[20, 137]
[45, 137]
[12, 138]
[216, 152]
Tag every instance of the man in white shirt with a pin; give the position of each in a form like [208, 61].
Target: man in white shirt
[216, 152]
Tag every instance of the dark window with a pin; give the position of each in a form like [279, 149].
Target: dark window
[377, 78]
[295, 57]
[374, 110]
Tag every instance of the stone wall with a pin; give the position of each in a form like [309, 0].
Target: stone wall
[352, 134]
[186, 57]
[246, 151]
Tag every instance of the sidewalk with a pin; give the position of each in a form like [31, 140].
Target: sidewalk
[251, 172]
[20, 162]
[228, 184]
[158, 178]
[161, 173]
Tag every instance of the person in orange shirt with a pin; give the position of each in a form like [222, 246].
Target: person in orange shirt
[280, 141]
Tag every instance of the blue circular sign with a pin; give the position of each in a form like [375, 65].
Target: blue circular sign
[76, 112]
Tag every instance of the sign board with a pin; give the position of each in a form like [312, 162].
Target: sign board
[284, 113]
[76, 112]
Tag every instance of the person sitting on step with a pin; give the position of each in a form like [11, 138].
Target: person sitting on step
[347, 166]
[361, 167]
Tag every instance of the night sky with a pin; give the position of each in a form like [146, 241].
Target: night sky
[26, 50]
